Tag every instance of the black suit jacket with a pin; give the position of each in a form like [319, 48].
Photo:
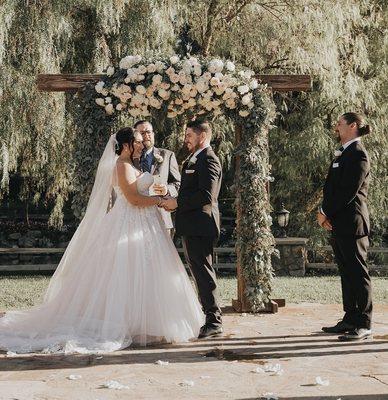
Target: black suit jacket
[197, 213]
[346, 190]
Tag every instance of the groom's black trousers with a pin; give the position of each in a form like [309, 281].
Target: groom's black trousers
[199, 255]
[350, 253]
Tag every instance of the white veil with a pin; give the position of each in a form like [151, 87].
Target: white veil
[91, 224]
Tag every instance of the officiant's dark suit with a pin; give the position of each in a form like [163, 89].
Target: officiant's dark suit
[345, 205]
[198, 221]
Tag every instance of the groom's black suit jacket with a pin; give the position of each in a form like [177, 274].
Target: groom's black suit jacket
[346, 190]
[197, 213]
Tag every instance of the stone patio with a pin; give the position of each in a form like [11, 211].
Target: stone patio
[220, 368]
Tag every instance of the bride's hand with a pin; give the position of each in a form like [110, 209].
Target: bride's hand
[169, 204]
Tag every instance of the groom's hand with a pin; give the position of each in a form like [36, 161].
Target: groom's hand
[169, 204]
[323, 221]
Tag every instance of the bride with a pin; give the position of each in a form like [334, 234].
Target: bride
[120, 280]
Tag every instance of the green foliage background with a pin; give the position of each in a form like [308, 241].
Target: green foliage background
[343, 44]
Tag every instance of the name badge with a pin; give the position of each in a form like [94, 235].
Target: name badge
[335, 165]
[189, 171]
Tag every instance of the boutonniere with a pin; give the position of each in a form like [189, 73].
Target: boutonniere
[337, 153]
[192, 160]
[158, 158]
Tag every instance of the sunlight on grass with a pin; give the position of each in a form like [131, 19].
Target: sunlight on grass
[18, 292]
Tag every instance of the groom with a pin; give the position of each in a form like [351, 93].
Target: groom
[197, 218]
[160, 162]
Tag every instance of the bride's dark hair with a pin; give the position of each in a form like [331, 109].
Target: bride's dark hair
[124, 135]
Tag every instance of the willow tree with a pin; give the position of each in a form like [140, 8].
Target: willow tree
[36, 130]
[344, 46]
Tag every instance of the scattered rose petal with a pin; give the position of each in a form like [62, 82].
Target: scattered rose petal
[321, 382]
[244, 314]
[114, 385]
[275, 368]
[270, 396]
[74, 377]
[258, 370]
[186, 383]
[160, 362]
[205, 377]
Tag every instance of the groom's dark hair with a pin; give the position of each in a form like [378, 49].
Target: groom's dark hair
[199, 126]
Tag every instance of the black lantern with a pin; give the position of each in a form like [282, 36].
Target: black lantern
[283, 217]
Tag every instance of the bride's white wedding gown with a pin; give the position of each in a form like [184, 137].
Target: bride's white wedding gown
[128, 286]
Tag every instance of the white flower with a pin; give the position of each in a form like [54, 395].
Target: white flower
[230, 66]
[186, 89]
[214, 81]
[128, 61]
[141, 89]
[165, 85]
[253, 84]
[99, 86]
[142, 69]
[119, 107]
[192, 102]
[197, 70]
[109, 109]
[105, 92]
[164, 94]
[243, 89]
[171, 114]
[216, 65]
[192, 160]
[158, 158]
[110, 71]
[337, 153]
[160, 66]
[157, 79]
[174, 59]
[175, 88]
[230, 103]
[174, 78]
[108, 100]
[244, 113]
[154, 102]
[246, 99]
[178, 101]
[183, 80]
[207, 76]
[193, 92]
[151, 68]
[140, 78]
[170, 71]
[100, 101]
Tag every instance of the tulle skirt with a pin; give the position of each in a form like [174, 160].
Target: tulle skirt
[126, 285]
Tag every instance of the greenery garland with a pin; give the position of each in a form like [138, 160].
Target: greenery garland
[183, 88]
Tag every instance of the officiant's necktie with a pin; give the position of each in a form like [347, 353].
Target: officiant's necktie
[146, 162]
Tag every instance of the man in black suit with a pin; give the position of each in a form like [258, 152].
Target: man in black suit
[197, 218]
[345, 213]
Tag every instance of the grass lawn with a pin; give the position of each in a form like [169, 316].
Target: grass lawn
[24, 291]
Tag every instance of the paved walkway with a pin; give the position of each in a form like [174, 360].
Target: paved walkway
[229, 367]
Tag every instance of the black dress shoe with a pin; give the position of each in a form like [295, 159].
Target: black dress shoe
[341, 327]
[208, 330]
[356, 334]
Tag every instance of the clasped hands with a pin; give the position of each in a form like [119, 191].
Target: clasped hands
[324, 222]
[167, 202]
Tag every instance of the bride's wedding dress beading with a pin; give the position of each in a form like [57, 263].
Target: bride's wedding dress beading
[128, 286]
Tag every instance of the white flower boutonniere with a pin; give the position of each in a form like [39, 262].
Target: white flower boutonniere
[337, 153]
[158, 158]
[192, 160]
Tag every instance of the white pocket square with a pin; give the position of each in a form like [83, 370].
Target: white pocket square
[190, 171]
[335, 165]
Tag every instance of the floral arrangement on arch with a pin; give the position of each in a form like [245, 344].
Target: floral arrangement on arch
[177, 85]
